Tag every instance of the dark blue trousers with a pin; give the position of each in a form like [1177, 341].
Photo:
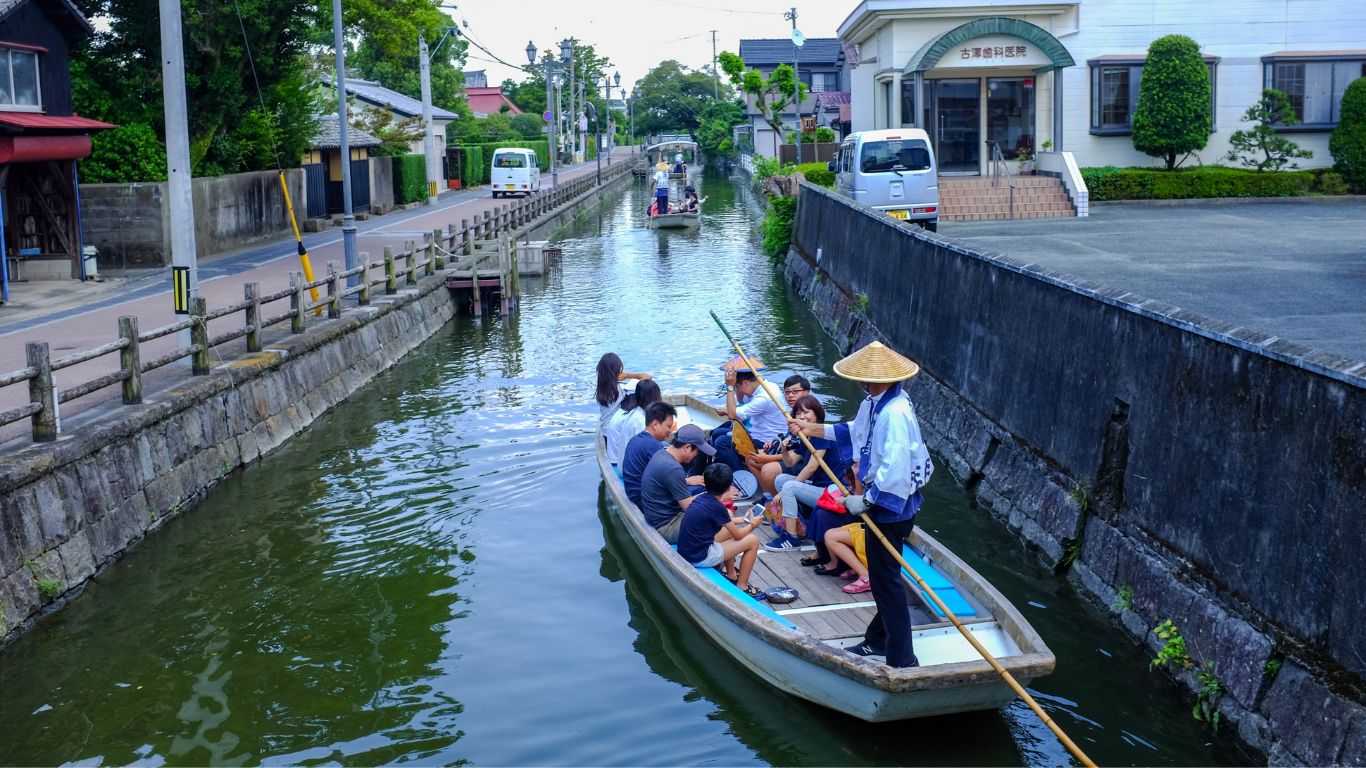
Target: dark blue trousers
[662, 198]
[721, 440]
[890, 629]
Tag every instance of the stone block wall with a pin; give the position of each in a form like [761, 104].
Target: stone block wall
[69, 508]
[1217, 476]
[126, 223]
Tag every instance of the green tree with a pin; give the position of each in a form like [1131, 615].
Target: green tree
[1261, 147]
[771, 94]
[714, 125]
[1348, 141]
[495, 127]
[116, 77]
[1173, 116]
[130, 152]
[529, 126]
[529, 94]
[671, 99]
[397, 136]
[387, 49]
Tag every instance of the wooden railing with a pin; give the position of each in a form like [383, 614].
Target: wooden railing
[405, 266]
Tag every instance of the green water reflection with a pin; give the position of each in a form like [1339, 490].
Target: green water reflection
[429, 575]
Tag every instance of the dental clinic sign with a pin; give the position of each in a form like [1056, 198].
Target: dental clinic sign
[994, 51]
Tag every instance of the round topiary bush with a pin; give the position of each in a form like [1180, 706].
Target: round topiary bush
[1173, 115]
[1348, 142]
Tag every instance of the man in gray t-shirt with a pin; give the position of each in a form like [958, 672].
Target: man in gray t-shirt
[664, 487]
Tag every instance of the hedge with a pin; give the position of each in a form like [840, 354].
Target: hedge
[817, 173]
[1110, 183]
[410, 179]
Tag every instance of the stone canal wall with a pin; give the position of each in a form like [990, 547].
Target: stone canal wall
[69, 508]
[1180, 468]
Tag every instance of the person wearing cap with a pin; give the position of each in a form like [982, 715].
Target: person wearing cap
[892, 464]
[665, 489]
[662, 187]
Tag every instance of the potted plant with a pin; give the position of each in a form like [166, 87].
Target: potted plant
[1025, 157]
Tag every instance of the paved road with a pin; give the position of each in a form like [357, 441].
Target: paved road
[72, 316]
[1293, 269]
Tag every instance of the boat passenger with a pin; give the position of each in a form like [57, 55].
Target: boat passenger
[800, 492]
[893, 464]
[768, 465]
[665, 490]
[709, 536]
[847, 546]
[765, 420]
[679, 165]
[611, 372]
[629, 420]
[659, 424]
[690, 202]
[662, 186]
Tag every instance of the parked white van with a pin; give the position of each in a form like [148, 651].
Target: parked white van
[892, 171]
[515, 170]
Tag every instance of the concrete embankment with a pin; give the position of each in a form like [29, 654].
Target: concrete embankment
[71, 507]
[1178, 467]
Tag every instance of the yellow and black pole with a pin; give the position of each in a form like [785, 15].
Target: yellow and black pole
[915, 578]
[299, 242]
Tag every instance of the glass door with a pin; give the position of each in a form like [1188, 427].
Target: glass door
[1010, 115]
[958, 125]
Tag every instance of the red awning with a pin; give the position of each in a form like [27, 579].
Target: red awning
[32, 121]
[36, 149]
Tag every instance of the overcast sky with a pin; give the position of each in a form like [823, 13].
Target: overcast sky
[635, 35]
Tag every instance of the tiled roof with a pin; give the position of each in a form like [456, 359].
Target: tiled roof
[374, 93]
[37, 123]
[73, 22]
[329, 135]
[489, 101]
[817, 50]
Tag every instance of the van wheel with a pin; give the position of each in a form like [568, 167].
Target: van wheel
[495, 195]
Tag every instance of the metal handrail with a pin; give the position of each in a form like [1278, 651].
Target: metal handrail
[998, 166]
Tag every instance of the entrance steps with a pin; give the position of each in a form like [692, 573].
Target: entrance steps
[973, 198]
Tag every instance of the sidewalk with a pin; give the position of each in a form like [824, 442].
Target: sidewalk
[72, 316]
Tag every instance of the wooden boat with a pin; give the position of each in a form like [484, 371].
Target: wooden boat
[676, 221]
[798, 647]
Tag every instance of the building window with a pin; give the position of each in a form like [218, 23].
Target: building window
[1114, 94]
[1315, 87]
[821, 82]
[19, 87]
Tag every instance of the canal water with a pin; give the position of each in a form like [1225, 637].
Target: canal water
[430, 575]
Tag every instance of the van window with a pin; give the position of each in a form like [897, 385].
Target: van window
[894, 154]
[509, 161]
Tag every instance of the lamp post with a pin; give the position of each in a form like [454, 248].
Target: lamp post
[567, 56]
[597, 127]
[611, 124]
[631, 106]
[550, 121]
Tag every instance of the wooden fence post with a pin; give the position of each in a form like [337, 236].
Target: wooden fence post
[199, 336]
[466, 241]
[130, 359]
[390, 280]
[429, 266]
[410, 262]
[42, 392]
[363, 298]
[252, 292]
[333, 291]
[296, 302]
[438, 252]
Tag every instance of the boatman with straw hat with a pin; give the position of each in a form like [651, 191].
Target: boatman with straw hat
[892, 465]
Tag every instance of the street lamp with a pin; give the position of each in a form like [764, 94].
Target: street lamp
[597, 126]
[567, 56]
[631, 106]
[551, 139]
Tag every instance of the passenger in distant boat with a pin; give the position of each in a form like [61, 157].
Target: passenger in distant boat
[611, 372]
[768, 465]
[659, 424]
[679, 165]
[800, 492]
[690, 202]
[662, 187]
[709, 536]
[665, 490]
[764, 419]
[629, 420]
[892, 465]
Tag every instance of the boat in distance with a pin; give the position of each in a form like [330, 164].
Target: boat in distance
[676, 221]
[799, 647]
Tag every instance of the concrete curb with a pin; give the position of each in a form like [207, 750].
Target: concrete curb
[1196, 201]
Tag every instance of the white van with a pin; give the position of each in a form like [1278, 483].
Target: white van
[892, 171]
[515, 170]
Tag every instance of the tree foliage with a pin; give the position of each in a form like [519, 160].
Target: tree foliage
[1173, 116]
[396, 136]
[671, 99]
[387, 51]
[772, 94]
[1348, 140]
[1261, 147]
[713, 132]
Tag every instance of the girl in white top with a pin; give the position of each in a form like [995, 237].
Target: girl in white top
[629, 420]
[611, 372]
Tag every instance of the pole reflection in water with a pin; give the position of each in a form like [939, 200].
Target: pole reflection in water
[421, 577]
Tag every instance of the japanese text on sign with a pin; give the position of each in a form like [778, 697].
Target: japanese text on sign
[995, 52]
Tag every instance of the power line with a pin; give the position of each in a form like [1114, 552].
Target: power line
[674, 4]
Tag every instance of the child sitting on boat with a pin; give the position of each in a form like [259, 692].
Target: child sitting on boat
[709, 536]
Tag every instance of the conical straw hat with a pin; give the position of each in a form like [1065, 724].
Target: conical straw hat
[876, 364]
[737, 364]
[661, 166]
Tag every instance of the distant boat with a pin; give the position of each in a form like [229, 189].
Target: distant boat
[799, 647]
[676, 221]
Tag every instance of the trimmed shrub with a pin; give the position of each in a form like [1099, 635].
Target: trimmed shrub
[410, 178]
[817, 173]
[472, 167]
[777, 225]
[1173, 116]
[1332, 184]
[1348, 141]
[1110, 183]
[1261, 147]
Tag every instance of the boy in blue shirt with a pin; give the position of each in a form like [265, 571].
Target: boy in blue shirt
[709, 536]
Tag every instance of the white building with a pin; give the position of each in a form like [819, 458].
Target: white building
[1024, 73]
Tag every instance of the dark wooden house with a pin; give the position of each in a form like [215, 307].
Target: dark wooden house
[40, 142]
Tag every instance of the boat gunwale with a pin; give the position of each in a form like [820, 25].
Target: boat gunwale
[1034, 661]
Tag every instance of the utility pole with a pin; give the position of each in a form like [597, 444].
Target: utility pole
[548, 66]
[796, 80]
[429, 130]
[348, 216]
[184, 257]
[715, 81]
